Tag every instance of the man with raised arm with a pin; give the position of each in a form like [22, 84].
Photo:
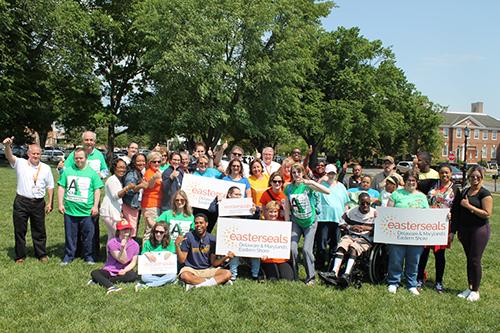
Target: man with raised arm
[34, 179]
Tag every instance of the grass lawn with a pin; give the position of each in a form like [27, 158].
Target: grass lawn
[48, 297]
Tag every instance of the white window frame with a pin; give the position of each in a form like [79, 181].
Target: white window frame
[485, 134]
[445, 132]
[493, 135]
[476, 133]
[459, 133]
[444, 151]
[484, 152]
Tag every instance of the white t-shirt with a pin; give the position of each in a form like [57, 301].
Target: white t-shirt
[27, 173]
[268, 170]
[111, 205]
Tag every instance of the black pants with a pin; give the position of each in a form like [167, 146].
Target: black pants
[105, 279]
[283, 271]
[34, 210]
[474, 240]
[440, 260]
[325, 242]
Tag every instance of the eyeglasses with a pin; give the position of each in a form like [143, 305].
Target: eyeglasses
[202, 163]
[155, 161]
[180, 200]
[277, 181]
[159, 232]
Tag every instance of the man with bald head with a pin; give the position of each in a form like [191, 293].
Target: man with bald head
[34, 179]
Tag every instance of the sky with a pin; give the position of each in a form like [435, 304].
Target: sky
[449, 49]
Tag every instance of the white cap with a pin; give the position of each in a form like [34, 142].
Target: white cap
[330, 168]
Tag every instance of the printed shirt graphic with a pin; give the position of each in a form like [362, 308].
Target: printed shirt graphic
[79, 190]
[301, 204]
[178, 224]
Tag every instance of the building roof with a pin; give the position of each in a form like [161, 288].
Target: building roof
[475, 119]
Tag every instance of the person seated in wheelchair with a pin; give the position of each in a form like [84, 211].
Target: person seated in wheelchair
[357, 222]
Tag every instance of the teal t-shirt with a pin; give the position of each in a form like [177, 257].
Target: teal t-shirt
[79, 188]
[148, 247]
[302, 204]
[95, 160]
[178, 224]
[405, 199]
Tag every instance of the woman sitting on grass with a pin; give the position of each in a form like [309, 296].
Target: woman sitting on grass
[159, 241]
[122, 259]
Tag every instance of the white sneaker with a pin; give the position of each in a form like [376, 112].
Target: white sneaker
[229, 283]
[414, 291]
[91, 283]
[392, 288]
[465, 293]
[188, 287]
[473, 296]
[140, 286]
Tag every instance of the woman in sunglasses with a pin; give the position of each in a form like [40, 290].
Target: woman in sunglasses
[159, 241]
[274, 193]
[152, 195]
[180, 219]
[473, 227]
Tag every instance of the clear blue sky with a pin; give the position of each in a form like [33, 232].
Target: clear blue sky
[449, 49]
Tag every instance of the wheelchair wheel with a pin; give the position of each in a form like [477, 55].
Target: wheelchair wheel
[378, 262]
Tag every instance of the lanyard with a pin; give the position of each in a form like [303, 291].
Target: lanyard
[35, 176]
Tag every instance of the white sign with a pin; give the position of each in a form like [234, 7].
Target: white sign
[235, 207]
[165, 263]
[201, 191]
[254, 238]
[411, 226]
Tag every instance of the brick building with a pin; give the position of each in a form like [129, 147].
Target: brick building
[483, 140]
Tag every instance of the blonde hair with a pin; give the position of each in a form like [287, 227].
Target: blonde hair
[152, 155]
[187, 210]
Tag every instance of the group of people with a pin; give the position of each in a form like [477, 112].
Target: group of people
[320, 201]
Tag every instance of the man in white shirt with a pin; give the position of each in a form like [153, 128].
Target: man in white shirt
[34, 179]
[268, 165]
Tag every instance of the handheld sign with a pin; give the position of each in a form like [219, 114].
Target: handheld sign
[236, 207]
[411, 226]
[165, 263]
[253, 238]
[201, 191]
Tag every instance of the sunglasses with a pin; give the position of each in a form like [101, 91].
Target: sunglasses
[155, 162]
[475, 177]
[237, 154]
[159, 232]
[202, 163]
[277, 181]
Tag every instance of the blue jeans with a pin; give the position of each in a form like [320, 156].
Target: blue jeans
[410, 255]
[307, 250]
[235, 262]
[158, 280]
[71, 226]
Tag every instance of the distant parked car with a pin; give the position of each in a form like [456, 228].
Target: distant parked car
[52, 155]
[404, 166]
[19, 151]
[456, 175]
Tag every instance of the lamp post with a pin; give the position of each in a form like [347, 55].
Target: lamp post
[464, 169]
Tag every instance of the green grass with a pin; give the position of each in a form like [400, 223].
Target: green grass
[47, 297]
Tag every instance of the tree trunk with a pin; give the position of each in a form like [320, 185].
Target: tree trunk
[111, 143]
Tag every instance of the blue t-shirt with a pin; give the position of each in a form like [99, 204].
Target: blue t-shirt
[199, 250]
[241, 181]
[333, 205]
[210, 173]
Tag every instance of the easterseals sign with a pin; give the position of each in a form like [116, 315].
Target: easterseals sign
[254, 238]
[201, 191]
[411, 226]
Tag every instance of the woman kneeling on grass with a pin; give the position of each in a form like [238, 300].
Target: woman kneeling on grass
[122, 258]
[159, 241]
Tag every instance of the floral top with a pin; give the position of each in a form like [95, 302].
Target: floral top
[441, 196]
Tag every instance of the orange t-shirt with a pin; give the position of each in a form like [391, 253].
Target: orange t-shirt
[269, 195]
[151, 198]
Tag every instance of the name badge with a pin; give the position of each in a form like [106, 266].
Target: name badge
[38, 191]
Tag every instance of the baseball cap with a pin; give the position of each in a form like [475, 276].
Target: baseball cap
[388, 158]
[123, 224]
[330, 168]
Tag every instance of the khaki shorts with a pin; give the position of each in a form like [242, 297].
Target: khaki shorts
[359, 244]
[206, 273]
[152, 214]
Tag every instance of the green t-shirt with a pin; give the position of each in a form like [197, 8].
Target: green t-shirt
[178, 224]
[79, 188]
[95, 160]
[302, 204]
[148, 247]
[405, 199]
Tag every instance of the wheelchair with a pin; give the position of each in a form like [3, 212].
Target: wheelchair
[371, 266]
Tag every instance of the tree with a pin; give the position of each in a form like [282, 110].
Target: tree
[226, 66]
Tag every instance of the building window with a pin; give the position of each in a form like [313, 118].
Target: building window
[445, 132]
[445, 150]
[493, 152]
[485, 135]
[476, 134]
[484, 152]
[459, 133]
[493, 135]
